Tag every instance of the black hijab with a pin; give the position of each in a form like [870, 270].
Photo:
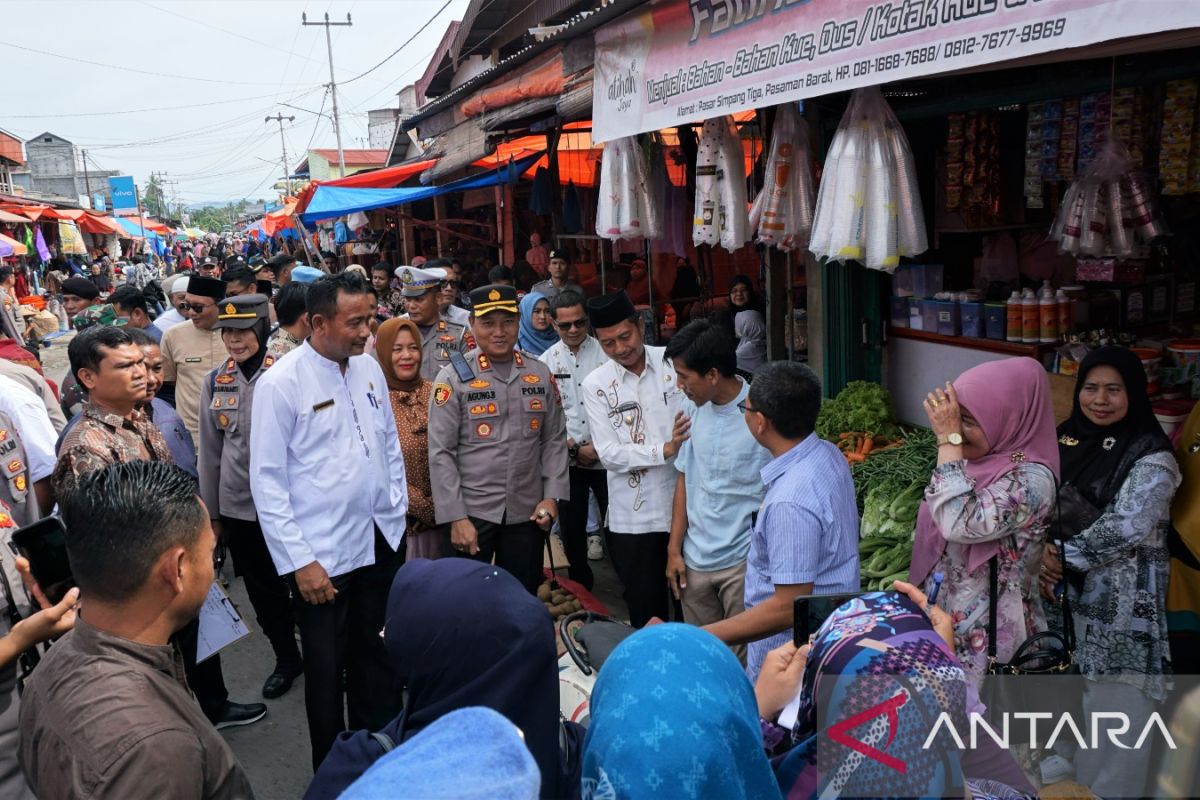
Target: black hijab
[460, 633]
[262, 332]
[1095, 470]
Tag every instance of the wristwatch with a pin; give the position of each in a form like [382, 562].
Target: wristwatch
[954, 439]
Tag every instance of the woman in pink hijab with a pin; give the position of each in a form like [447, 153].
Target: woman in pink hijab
[992, 496]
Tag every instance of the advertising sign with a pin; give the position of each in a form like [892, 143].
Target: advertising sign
[680, 61]
[124, 195]
[98, 201]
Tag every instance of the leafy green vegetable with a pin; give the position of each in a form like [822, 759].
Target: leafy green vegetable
[861, 406]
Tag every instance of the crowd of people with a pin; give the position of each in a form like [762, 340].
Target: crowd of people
[383, 457]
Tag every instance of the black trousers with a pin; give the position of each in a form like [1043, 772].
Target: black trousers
[641, 563]
[269, 593]
[345, 663]
[206, 678]
[516, 549]
[573, 517]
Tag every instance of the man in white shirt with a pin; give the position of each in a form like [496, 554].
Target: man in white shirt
[633, 408]
[176, 291]
[29, 417]
[571, 360]
[330, 490]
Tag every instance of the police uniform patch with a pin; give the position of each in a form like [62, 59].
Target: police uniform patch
[230, 308]
[441, 326]
[483, 430]
[231, 402]
[3, 434]
[518, 358]
[479, 383]
[225, 379]
[441, 394]
[531, 379]
[268, 360]
[535, 404]
[534, 423]
[217, 403]
[223, 420]
[19, 482]
[446, 338]
[483, 362]
[15, 466]
[5, 520]
[494, 295]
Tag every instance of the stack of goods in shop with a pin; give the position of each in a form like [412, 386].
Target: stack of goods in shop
[1107, 209]
[720, 216]
[869, 206]
[630, 205]
[889, 480]
[973, 185]
[782, 213]
[1179, 154]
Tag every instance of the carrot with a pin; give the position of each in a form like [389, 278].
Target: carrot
[855, 458]
[867, 445]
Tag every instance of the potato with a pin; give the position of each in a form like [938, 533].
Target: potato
[543, 592]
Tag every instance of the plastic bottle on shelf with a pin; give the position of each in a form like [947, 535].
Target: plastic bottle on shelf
[1015, 310]
[1031, 321]
[1065, 322]
[1048, 316]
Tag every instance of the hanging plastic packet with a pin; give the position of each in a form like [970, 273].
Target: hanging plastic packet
[882, 246]
[731, 189]
[783, 211]
[706, 225]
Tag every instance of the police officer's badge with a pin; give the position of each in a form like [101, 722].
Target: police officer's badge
[441, 394]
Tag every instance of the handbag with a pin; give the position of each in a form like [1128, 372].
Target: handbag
[1038, 676]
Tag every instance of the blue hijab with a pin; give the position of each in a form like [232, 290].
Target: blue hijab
[460, 633]
[531, 340]
[673, 716]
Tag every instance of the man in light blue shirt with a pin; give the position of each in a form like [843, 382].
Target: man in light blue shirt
[718, 489]
[805, 538]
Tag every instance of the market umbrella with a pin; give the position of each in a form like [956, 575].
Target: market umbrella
[11, 247]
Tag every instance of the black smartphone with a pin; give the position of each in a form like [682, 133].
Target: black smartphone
[44, 543]
[810, 610]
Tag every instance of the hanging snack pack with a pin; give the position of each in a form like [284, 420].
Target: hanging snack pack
[1106, 208]
[783, 211]
[869, 205]
[720, 214]
[627, 208]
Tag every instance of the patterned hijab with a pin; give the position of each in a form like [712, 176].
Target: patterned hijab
[673, 716]
[1010, 399]
[876, 656]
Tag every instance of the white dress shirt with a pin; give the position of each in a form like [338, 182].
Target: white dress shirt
[631, 418]
[325, 462]
[168, 319]
[28, 413]
[459, 315]
[569, 370]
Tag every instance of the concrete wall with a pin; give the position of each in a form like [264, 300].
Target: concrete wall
[51, 159]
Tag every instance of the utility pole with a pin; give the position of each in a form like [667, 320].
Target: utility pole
[287, 170]
[337, 127]
[87, 178]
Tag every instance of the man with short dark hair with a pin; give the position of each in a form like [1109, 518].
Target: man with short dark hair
[389, 302]
[718, 489]
[450, 295]
[239, 280]
[291, 313]
[331, 495]
[129, 305]
[501, 275]
[632, 403]
[80, 299]
[192, 351]
[209, 267]
[805, 538]
[571, 359]
[108, 712]
[439, 336]
[558, 280]
[281, 266]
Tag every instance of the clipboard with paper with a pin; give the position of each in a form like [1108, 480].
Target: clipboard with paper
[220, 623]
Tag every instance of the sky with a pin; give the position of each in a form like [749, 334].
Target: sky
[182, 87]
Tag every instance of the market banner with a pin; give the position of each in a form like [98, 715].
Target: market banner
[681, 61]
[124, 195]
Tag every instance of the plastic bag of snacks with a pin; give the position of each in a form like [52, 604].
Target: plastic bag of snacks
[720, 216]
[783, 211]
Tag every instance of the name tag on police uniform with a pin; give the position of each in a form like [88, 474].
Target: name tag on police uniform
[323, 405]
[192, 360]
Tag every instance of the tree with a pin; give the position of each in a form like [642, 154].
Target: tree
[153, 199]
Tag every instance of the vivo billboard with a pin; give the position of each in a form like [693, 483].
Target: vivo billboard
[124, 195]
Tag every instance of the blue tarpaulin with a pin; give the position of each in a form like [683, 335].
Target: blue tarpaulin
[335, 201]
[153, 239]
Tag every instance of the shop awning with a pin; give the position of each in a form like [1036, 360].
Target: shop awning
[95, 224]
[336, 201]
[11, 247]
[13, 219]
[132, 229]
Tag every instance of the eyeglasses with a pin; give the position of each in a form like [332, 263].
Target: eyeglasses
[198, 308]
[566, 326]
[744, 407]
[452, 284]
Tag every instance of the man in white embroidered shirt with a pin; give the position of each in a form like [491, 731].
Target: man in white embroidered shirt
[633, 408]
[330, 491]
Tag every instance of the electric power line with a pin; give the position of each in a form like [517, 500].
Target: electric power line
[407, 42]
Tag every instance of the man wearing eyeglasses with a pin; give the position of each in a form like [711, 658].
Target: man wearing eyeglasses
[450, 294]
[571, 360]
[192, 351]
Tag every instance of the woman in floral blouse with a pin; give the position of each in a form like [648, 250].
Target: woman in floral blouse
[1119, 475]
[991, 496]
[398, 349]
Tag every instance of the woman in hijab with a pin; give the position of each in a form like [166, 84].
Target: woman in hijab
[1119, 475]
[751, 332]
[991, 496]
[226, 402]
[875, 648]
[742, 297]
[398, 350]
[460, 633]
[537, 333]
[672, 715]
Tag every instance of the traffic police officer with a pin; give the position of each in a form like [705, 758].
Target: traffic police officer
[440, 336]
[225, 407]
[497, 444]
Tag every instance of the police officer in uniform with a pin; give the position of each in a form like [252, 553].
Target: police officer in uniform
[225, 406]
[497, 444]
[439, 335]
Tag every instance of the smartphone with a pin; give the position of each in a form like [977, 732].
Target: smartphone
[810, 610]
[44, 543]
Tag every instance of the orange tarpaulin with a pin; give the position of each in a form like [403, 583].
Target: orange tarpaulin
[18, 248]
[280, 218]
[385, 178]
[96, 224]
[32, 213]
[148, 224]
[543, 81]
